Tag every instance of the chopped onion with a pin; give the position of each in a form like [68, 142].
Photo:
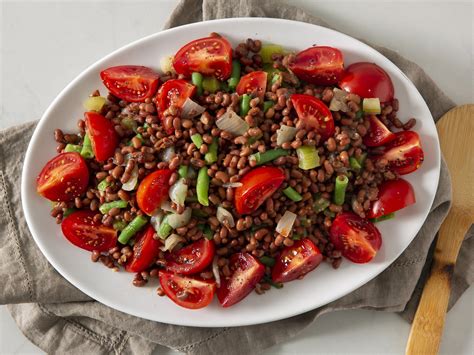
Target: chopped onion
[178, 192]
[225, 216]
[232, 184]
[168, 154]
[166, 64]
[191, 109]
[166, 206]
[231, 122]
[131, 184]
[172, 242]
[285, 224]
[285, 134]
[338, 102]
[179, 220]
[215, 271]
[156, 219]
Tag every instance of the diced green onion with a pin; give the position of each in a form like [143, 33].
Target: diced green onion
[210, 84]
[145, 126]
[361, 159]
[267, 105]
[371, 105]
[68, 211]
[270, 70]
[165, 229]
[206, 230]
[320, 205]
[86, 150]
[94, 103]
[269, 155]
[235, 76]
[244, 105]
[119, 225]
[267, 260]
[103, 185]
[106, 207]
[183, 171]
[308, 157]
[197, 78]
[276, 77]
[329, 214]
[268, 50]
[383, 218]
[340, 189]
[197, 140]
[211, 155]
[296, 236]
[129, 123]
[292, 194]
[132, 228]
[355, 165]
[70, 148]
[202, 186]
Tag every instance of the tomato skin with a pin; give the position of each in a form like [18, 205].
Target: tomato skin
[208, 56]
[314, 113]
[393, 196]
[378, 134]
[63, 178]
[153, 190]
[404, 153]
[358, 239]
[131, 83]
[319, 65]
[200, 292]
[246, 273]
[145, 251]
[257, 185]
[191, 259]
[104, 139]
[253, 83]
[82, 231]
[296, 261]
[367, 80]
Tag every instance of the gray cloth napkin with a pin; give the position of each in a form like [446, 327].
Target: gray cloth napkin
[59, 318]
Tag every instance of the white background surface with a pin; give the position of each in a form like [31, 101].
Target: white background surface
[44, 45]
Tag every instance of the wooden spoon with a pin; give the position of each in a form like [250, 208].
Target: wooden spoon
[456, 135]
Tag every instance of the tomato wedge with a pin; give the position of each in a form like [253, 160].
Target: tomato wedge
[357, 238]
[257, 185]
[145, 251]
[186, 291]
[253, 83]
[314, 114]
[296, 261]
[63, 178]
[81, 230]
[367, 80]
[393, 196]
[191, 259]
[404, 153]
[104, 139]
[208, 56]
[153, 190]
[131, 83]
[378, 133]
[246, 273]
[319, 65]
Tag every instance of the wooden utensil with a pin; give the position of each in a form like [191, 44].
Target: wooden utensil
[456, 135]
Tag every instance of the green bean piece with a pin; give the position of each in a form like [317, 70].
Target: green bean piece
[340, 189]
[72, 148]
[244, 105]
[145, 126]
[165, 229]
[321, 204]
[276, 77]
[292, 194]
[197, 140]
[86, 150]
[355, 165]
[202, 186]
[270, 70]
[267, 105]
[106, 207]
[308, 157]
[132, 228]
[68, 212]
[119, 225]
[103, 185]
[197, 78]
[206, 230]
[235, 76]
[211, 84]
[267, 260]
[183, 171]
[269, 155]
[383, 218]
[211, 155]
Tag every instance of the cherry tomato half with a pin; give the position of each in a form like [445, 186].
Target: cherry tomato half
[296, 261]
[63, 178]
[153, 190]
[314, 114]
[246, 273]
[357, 238]
[319, 65]
[186, 291]
[208, 56]
[404, 153]
[131, 83]
[367, 80]
[191, 259]
[82, 231]
[378, 134]
[393, 196]
[253, 83]
[104, 139]
[145, 251]
[257, 185]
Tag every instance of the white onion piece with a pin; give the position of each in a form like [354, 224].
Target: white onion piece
[231, 122]
[166, 64]
[168, 154]
[285, 224]
[179, 220]
[131, 184]
[215, 271]
[178, 192]
[156, 219]
[191, 109]
[285, 134]
[223, 215]
[172, 242]
[232, 184]
[166, 206]
[338, 102]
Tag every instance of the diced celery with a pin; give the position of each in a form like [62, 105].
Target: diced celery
[268, 50]
[308, 157]
[210, 84]
[371, 106]
[94, 103]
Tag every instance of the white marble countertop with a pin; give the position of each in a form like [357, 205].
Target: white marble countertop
[44, 45]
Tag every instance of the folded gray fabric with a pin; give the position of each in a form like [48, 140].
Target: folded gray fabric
[59, 318]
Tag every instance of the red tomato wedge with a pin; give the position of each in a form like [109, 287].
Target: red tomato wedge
[357, 238]
[208, 56]
[296, 261]
[191, 259]
[367, 80]
[319, 65]
[404, 153]
[131, 83]
[253, 83]
[153, 190]
[63, 178]
[81, 230]
[314, 114]
[186, 291]
[246, 273]
[104, 139]
[378, 133]
[257, 185]
[393, 196]
[145, 251]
